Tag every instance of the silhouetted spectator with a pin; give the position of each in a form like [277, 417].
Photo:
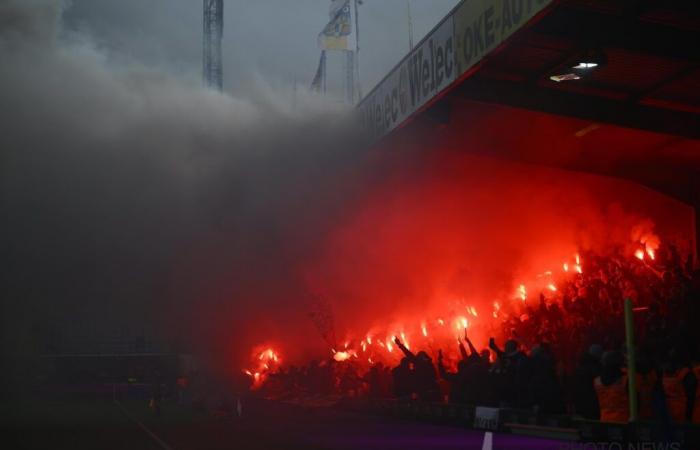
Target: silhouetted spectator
[584, 394]
[514, 372]
[543, 385]
[402, 376]
[458, 381]
[425, 377]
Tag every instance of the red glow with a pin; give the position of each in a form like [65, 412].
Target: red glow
[424, 255]
[522, 292]
[344, 356]
[266, 360]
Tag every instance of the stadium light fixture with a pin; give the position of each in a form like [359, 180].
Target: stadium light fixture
[589, 60]
[585, 65]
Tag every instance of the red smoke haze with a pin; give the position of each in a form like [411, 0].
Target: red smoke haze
[459, 230]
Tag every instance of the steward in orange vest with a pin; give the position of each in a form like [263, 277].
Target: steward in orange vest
[674, 383]
[611, 389]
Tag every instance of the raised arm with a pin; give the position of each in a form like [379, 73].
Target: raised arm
[494, 347]
[472, 349]
[409, 354]
[462, 350]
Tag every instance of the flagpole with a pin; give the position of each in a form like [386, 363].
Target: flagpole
[323, 73]
[294, 97]
[357, 53]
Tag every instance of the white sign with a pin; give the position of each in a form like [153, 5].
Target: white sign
[486, 418]
[424, 73]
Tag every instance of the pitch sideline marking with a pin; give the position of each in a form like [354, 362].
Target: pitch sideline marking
[151, 434]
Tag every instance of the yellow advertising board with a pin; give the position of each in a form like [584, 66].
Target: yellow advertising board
[482, 25]
[455, 45]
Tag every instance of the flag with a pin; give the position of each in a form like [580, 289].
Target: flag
[338, 33]
[317, 85]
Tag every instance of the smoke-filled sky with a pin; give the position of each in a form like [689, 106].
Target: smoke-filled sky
[135, 199]
[272, 40]
[119, 169]
[118, 174]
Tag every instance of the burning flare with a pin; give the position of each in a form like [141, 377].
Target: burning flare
[522, 292]
[267, 361]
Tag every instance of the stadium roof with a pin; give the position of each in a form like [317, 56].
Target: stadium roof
[635, 115]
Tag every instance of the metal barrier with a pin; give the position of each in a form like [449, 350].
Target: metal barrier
[527, 422]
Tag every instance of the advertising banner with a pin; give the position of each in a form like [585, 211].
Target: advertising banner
[482, 25]
[471, 31]
[427, 70]
[486, 418]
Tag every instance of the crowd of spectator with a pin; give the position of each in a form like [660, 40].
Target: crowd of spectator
[565, 355]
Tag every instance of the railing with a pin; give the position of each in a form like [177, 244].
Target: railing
[523, 422]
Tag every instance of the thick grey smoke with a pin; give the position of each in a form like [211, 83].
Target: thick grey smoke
[274, 37]
[134, 200]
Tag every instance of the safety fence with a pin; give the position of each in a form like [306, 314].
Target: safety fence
[566, 428]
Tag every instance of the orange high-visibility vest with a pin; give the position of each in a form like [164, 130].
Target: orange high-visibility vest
[645, 388]
[675, 395]
[613, 400]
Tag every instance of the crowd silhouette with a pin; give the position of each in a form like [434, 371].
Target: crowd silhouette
[565, 355]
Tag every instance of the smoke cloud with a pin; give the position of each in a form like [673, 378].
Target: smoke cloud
[137, 200]
[452, 229]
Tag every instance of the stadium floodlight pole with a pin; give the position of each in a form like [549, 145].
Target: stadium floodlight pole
[212, 60]
[410, 25]
[631, 360]
[357, 51]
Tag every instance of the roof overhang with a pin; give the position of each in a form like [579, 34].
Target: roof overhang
[635, 116]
